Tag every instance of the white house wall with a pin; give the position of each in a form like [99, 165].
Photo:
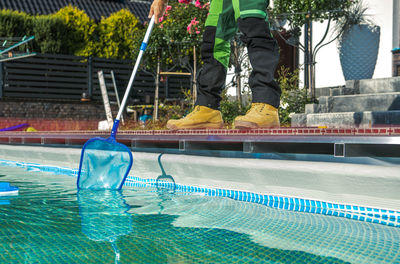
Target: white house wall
[328, 70]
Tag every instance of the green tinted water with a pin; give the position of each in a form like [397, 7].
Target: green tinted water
[49, 222]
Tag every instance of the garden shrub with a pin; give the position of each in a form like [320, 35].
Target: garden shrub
[50, 34]
[231, 108]
[293, 98]
[71, 31]
[116, 35]
[80, 28]
[180, 29]
[15, 23]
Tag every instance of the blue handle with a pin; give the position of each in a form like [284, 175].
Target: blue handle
[143, 46]
[115, 128]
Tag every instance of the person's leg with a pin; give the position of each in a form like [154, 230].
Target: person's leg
[215, 51]
[264, 56]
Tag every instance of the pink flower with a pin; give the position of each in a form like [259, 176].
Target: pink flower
[184, 1]
[168, 8]
[206, 5]
[197, 4]
[161, 19]
[193, 24]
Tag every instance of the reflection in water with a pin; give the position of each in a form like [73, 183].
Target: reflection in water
[104, 216]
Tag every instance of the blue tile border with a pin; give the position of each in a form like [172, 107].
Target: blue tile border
[38, 167]
[360, 213]
[365, 214]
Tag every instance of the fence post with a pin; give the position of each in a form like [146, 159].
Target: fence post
[90, 77]
[1, 79]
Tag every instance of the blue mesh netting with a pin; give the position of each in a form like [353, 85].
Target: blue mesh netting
[104, 164]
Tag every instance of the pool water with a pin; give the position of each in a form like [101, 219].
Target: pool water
[49, 222]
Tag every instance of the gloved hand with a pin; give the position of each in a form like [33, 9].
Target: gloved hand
[158, 9]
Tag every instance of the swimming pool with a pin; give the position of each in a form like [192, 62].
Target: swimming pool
[49, 222]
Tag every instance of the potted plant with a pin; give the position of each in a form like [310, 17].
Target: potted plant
[358, 42]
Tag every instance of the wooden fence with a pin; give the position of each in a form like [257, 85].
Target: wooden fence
[64, 77]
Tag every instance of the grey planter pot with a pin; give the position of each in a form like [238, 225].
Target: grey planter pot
[358, 49]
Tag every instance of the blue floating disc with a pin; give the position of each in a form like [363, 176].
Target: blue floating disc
[6, 189]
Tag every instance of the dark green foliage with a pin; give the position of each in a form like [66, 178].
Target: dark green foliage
[116, 35]
[71, 31]
[80, 30]
[49, 31]
[15, 24]
[182, 28]
[354, 15]
[296, 10]
[230, 109]
[50, 35]
[293, 98]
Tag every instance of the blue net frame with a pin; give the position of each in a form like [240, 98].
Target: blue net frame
[104, 164]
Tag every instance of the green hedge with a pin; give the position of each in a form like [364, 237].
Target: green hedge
[49, 35]
[71, 31]
[15, 23]
[117, 35]
[80, 29]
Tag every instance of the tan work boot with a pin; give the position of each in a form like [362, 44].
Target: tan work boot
[200, 117]
[260, 115]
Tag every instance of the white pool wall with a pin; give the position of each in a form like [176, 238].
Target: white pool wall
[373, 186]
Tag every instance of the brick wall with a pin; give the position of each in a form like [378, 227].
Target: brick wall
[49, 109]
[51, 116]
[50, 124]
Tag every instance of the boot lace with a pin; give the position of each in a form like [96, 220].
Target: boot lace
[195, 110]
[256, 107]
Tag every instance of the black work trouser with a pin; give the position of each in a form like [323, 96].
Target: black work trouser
[263, 53]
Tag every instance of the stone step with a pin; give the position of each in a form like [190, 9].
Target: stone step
[374, 86]
[359, 103]
[334, 91]
[348, 119]
[369, 86]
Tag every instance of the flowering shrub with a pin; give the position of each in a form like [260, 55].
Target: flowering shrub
[193, 27]
[179, 30]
